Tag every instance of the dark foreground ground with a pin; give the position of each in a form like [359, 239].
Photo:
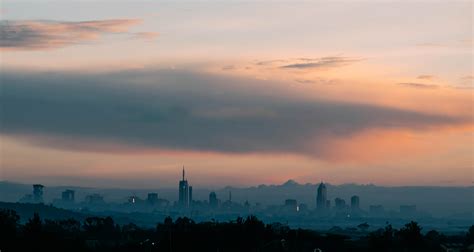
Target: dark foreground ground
[89, 233]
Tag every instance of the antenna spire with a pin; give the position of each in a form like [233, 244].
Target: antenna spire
[183, 172]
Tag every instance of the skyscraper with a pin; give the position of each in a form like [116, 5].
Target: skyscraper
[152, 198]
[213, 200]
[67, 196]
[339, 203]
[183, 192]
[355, 202]
[190, 195]
[321, 196]
[38, 193]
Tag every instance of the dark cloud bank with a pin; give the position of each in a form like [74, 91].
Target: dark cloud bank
[182, 110]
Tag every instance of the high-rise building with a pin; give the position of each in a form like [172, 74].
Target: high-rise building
[190, 195]
[355, 202]
[152, 198]
[213, 202]
[321, 196]
[183, 192]
[133, 199]
[339, 203]
[38, 193]
[67, 196]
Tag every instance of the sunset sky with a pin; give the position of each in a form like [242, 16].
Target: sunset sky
[124, 93]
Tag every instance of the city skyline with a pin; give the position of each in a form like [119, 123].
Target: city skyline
[185, 201]
[290, 206]
[135, 215]
[314, 206]
[241, 93]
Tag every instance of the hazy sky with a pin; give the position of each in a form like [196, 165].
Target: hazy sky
[241, 93]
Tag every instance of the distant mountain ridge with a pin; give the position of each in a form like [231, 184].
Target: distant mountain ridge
[440, 201]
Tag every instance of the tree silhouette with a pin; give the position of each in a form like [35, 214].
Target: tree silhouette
[363, 226]
[8, 227]
[242, 234]
[34, 225]
[9, 222]
[168, 221]
[470, 235]
[382, 239]
[410, 234]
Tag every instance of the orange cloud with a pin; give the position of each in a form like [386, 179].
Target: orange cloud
[382, 146]
[418, 85]
[145, 35]
[425, 77]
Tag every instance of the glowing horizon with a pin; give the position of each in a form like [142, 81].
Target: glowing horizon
[300, 91]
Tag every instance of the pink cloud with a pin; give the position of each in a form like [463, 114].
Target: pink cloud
[40, 34]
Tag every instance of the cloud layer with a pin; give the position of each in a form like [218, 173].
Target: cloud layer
[324, 62]
[418, 85]
[40, 34]
[183, 110]
[309, 63]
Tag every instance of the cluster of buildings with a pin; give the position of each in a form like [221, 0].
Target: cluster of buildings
[323, 204]
[36, 197]
[186, 203]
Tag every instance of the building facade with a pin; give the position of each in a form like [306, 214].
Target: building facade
[38, 193]
[184, 193]
[355, 202]
[321, 197]
[68, 196]
[213, 202]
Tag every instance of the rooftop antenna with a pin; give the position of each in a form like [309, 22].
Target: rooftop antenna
[183, 172]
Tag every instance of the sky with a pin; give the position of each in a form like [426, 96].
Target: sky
[126, 93]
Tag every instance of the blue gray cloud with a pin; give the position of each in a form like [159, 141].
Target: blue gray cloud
[183, 110]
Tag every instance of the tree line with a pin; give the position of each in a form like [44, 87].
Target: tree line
[183, 234]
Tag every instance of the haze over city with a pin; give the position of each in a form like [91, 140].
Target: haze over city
[236, 125]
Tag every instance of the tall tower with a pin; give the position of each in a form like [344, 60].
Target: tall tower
[38, 193]
[183, 192]
[190, 195]
[213, 202]
[67, 196]
[321, 197]
[355, 202]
